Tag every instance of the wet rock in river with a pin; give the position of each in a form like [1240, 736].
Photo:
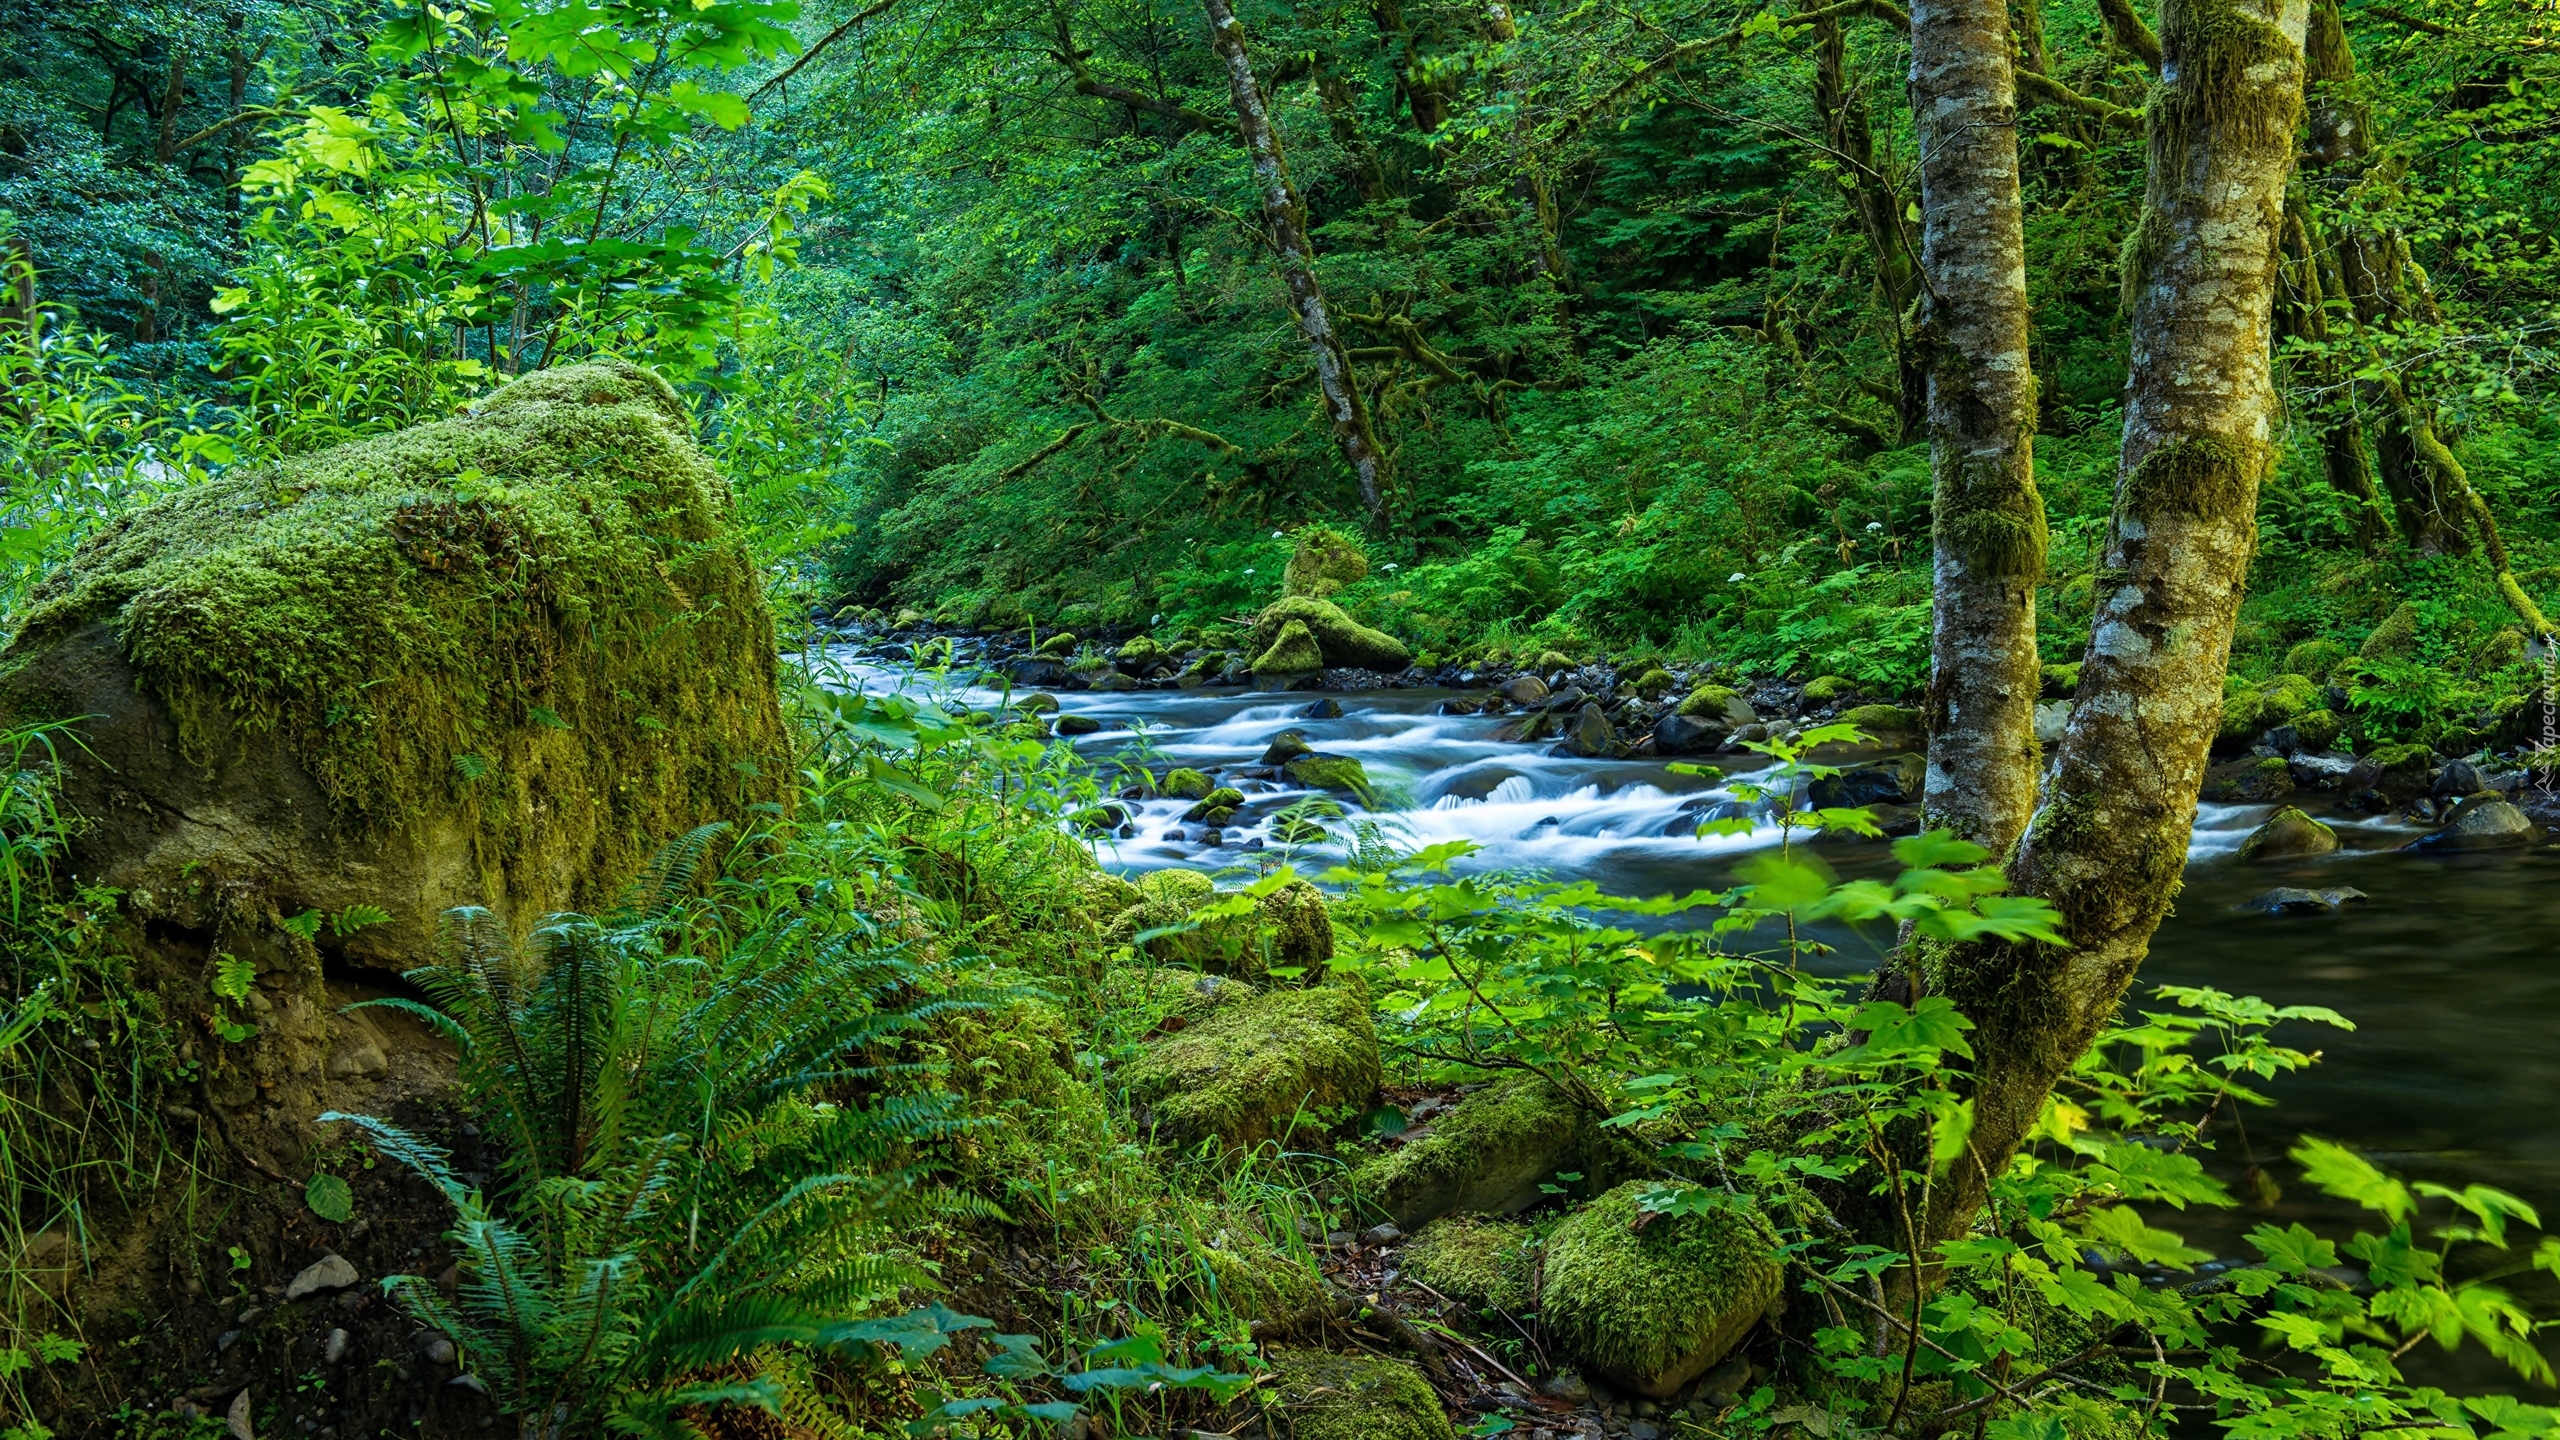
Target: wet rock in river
[1686, 735]
[1327, 708]
[1592, 737]
[1524, 690]
[2289, 834]
[2292, 900]
[1286, 746]
[2250, 779]
[2481, 825]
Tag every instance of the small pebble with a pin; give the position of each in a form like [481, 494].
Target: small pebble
[1386, 1234]
[224, 1340]
[336, 1349]
[440, 1350]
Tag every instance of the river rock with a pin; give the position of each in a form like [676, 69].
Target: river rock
[1286, 746]
[1078, 725]
[2291, 900]
[1684, 735]
[1650, 1306]
[1341, 774]
[1897, 781]
[2251, 779]
[2288, 834]
[357, 678]
[1719, 703]
[1111, 681]
[1339, 640]
[1591, 736]
[2481, 825]
[2458, 778]
[2393, 774]
[1327, 708]
[1036, 672]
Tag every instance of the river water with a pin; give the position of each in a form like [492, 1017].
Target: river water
[2450, 972]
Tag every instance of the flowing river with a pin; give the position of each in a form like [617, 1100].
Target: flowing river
[2450, 971]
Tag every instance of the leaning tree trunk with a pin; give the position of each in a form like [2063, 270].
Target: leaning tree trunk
[1345, 406]
[2108, 843]
[1990, 535]
[1877, 203]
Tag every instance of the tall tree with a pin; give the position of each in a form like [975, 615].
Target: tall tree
[1345, 407]
[2108, 842]
[1990, 539]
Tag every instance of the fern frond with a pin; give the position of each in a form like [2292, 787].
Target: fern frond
[428, 1161]
[663, 882]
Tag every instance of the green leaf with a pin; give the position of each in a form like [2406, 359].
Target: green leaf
[2348, 1176]
[307, 924]
[233, 977]
[330, 1198]
[548, 718]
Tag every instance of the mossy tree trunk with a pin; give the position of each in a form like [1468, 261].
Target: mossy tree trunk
[1990, 525]
[1345, 407]
[2108, 842]
[2309, 280]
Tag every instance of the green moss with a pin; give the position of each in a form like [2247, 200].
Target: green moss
[536, 618]
[1015, 1063]
[2002, 534]
[1479, 1262]
[1341, 640]
[1295, 927]
[1062, 643]
[1186, 784]
[1650, 1309]
[2315, 658]
[1355, 1397]
[1139, 651]
[2061, 681]
[1652, 683]
[1293, 651]
[1882, 720]
[1145, 996]
[1550, 661]
[1711, 702]
[1823, 689]
[2318, 728]
[1342, 774]
[2288, 834]
[2400, 759]
[2396, 635]
[1240, 1272]
[1489, 1153]
[1326, 562]
[1246, 1071]
[2195, 476]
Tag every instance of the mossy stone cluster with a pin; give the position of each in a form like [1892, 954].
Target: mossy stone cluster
[1340, 774]
[1329, 1396]
[506, 656]
[1650, 1308]
[1244, 1072]
[1340, 641]
[1487, 1263]
[1883, 722]
[2249, 709]
[1721, 704]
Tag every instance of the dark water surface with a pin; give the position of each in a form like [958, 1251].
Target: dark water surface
[2450, 971]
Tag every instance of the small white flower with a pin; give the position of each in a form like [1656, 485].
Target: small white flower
[1155, 619]
[1279, 534]
[1390, 565]
[1248, 571]
[1874, 525]
[1734, 579]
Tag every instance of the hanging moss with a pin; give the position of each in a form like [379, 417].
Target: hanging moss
[1991, 515]
[535, 618]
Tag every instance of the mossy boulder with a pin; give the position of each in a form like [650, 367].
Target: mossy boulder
[1216, 807]
[2315, 730]
[2249, 780]
[1326, 562]
[2397, 635]
[1341, 774]
[1014, 1063]
[2289, 834]
[1823, 689]
[1184, 783]
[1487, 1155]
[1246, 1072]
[1476, 1261]
[1341, 641]
[1648, 1307]
[1240, 1271]
[1719, 704]
[1289, 926]
[1295, 927]
[1292, 654]
[1329, 1396]
[1886, 723]
[2398, 772]
[2249, 709]
[2315, 658]
[497, 660]
[1062, 643]
[1653, 684]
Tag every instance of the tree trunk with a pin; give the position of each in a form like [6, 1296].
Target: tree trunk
[2303, 314]
[2108, 843]
[1990, 525]
[1877, 203]
[172, 96]
[1345, 407]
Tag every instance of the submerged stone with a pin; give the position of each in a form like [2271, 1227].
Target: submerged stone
[1650, 1309]
[2292, 900]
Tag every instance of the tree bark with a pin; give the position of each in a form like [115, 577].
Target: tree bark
[1990, 526]
[1345, 407]
[2108, 843]
[2303, 314]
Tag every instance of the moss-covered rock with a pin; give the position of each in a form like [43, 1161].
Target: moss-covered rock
[1823, 689]
[1014, 1063]
[2397, 634]
[1215, 807]
[1292, 653]
[1245, 1072]
[1653, 684]
[1340, 640]
[1887, 723]
[2289, 834]
[2316, 730]
[1650, 1309]
[1488, 1155]
[1718, 703]
[2249, 780]
[1184, 783]
[1063, 642]
[1474, 1260]
[1326, 1396]
[1326, 562]
[2315, 658]
[1295, 927]
[1239, 1271]
[497, 660]
[1341, 774]
[1552, 661]
[2249, 709]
